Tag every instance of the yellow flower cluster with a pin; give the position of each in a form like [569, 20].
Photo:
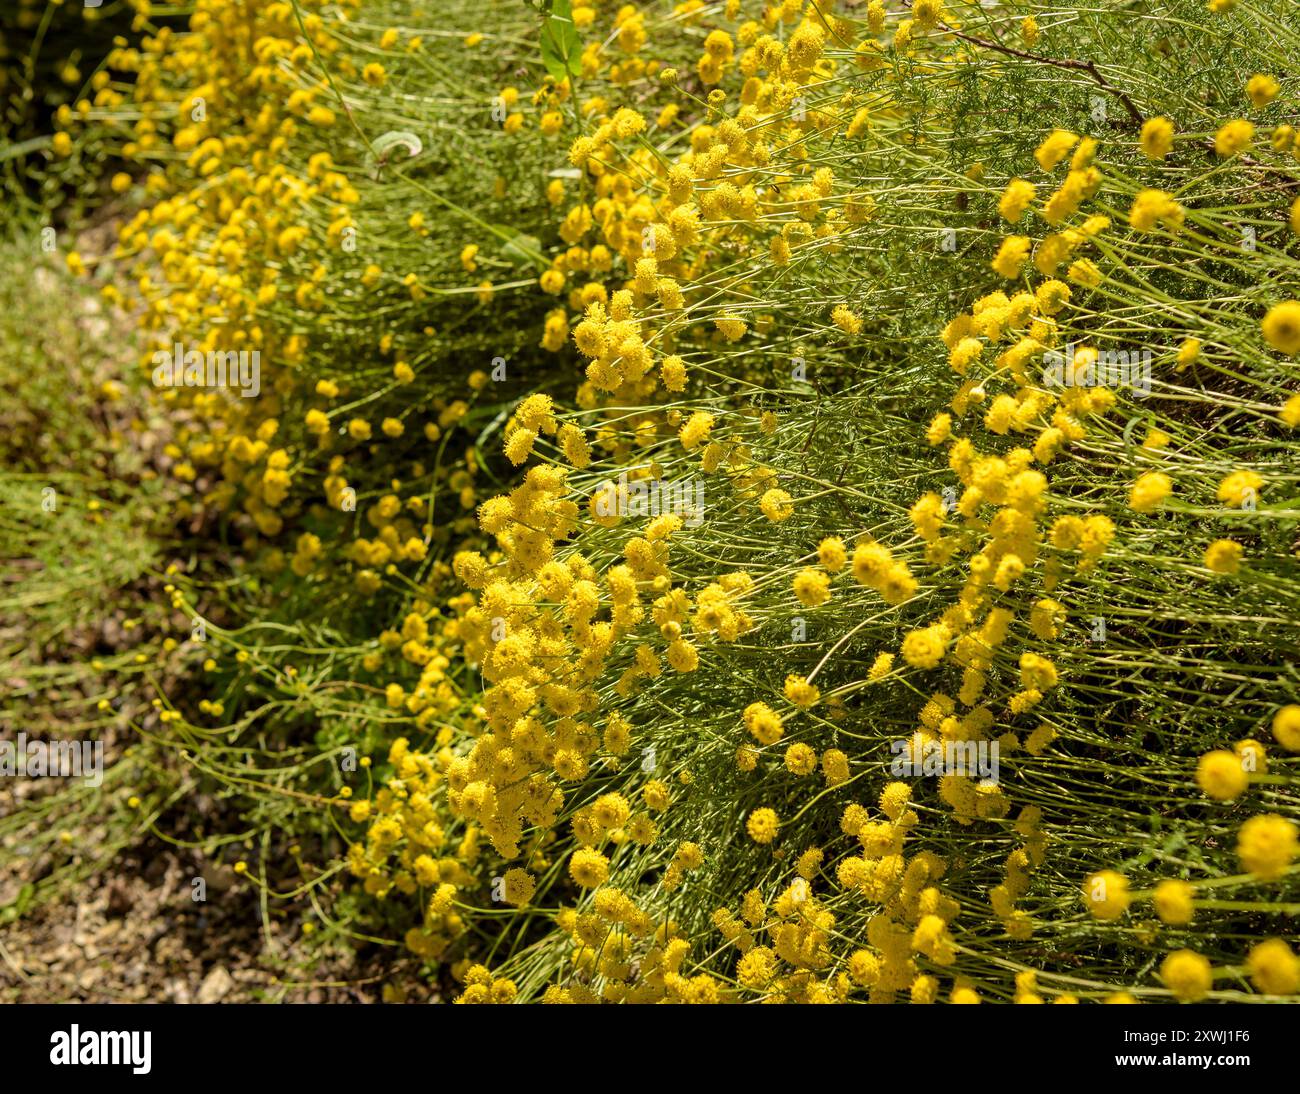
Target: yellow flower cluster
[760, 537]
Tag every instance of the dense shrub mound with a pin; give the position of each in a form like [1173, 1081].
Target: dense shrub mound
[742, 502]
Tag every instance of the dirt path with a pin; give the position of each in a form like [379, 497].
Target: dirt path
[94, 906]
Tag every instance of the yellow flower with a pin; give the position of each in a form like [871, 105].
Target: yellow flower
[1281, 327]
[1286, 727]
[800, 692]
[696, 430]
[1016, 198]
[1011, 256]
[762, 825]
[1252, 756]
[519, 886]
[1085, 272]
[519, 445]
[800, 759]
[927, 13]
[776, 505]
[1222, 775]
[1054, 148]
[1052, 296]
[1240, 490]
[1233, 137]
[1157, 138]
[1274, 968]
[1262, 89]
[763, 723]
[1188, 975]
[844, 318]
[925, 648]
[1155, 206]
[881, 666]
[731, 328]
[1037, 672]
[656, 795]
[756, 968]
[1223, 556]
[1188, 353]
[831, 554]
[588, 867]
[939, 429]
[1149, 491]
[537, 412]
[835, 766]
[682, 656]
[673, 371]
[1106, 894]
[1174, 902]
[965, 353]
[812, 587]
[1267, 845]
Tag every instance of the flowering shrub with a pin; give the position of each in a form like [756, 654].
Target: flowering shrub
[52, 71]
[686, 434]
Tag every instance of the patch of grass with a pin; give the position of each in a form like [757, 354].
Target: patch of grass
[83, 516]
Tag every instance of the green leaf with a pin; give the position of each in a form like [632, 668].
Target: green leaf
[522, 248]
[561, 46]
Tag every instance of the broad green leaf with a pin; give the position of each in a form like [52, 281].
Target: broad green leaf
[561, 46]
